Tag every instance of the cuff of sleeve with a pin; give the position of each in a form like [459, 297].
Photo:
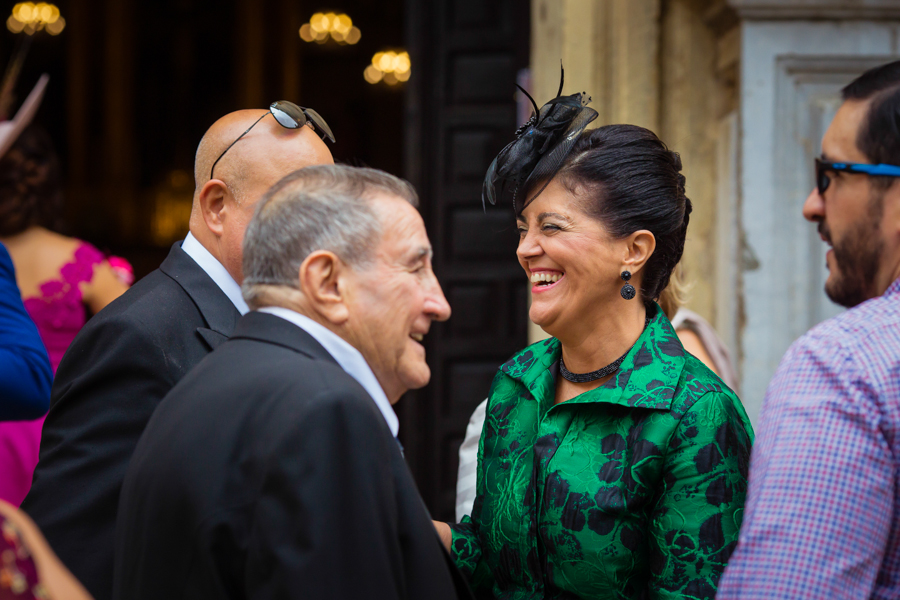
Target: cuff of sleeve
[464, 547]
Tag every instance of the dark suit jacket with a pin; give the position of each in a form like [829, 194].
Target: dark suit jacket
[115, 373]
[269, 472]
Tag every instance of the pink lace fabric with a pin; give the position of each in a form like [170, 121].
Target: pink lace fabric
[59, 313]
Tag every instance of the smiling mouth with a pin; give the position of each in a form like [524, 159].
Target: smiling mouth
[545, 278]
[417, 336]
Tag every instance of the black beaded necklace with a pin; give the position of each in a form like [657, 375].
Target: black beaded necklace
[599, 373]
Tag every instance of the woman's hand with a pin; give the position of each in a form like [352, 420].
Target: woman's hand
[443, 531]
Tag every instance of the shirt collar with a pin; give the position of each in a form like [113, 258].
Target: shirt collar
[647, 377]
[348, 357]
[216, 271]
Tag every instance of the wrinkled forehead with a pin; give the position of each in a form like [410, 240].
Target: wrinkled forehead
[403, 232]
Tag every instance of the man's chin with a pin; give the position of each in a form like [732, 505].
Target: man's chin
[417, 378]
[843, 292]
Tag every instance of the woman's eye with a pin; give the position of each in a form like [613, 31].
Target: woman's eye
[549, 227]
[522, 231]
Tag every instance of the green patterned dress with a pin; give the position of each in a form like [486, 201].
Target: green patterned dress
[632, 490]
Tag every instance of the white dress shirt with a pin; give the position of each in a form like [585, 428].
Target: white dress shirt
[468, 463]
[348, 357]
[216, 271]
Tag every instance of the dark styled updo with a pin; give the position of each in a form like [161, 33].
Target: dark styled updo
[30, 184]
[629, 180]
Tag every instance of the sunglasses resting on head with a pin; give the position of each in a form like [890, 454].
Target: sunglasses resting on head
[290, 116]
[822, 169]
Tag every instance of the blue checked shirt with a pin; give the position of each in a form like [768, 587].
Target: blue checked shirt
[823, 517]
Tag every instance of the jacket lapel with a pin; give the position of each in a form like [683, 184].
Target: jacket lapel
[212, 338]
[218, 311]
[649, 375]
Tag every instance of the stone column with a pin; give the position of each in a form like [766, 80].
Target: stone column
[609, 48]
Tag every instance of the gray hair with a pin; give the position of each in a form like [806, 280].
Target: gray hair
[325, 207]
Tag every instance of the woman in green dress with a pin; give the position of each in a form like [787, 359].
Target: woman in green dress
[613, 464]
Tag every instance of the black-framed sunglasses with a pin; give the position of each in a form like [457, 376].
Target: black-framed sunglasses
[822, 169]
[288, 115]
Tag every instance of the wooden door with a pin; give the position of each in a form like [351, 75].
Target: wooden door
[460, 112]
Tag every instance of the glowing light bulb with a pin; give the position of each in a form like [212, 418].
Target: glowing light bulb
[56, 27]
[372, 74]
[342, 23]
[24, 12]
[402, 63]
[386, 62]
[14, 25]
[315, 22]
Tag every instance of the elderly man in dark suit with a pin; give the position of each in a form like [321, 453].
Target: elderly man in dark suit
[134, 351]
[272, 470]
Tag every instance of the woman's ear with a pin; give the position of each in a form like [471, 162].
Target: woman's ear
[639, 246]
[322, 281]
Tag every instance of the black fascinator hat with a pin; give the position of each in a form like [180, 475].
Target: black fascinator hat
[539, 150]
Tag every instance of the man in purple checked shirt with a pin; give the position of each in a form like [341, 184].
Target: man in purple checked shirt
[823, 510]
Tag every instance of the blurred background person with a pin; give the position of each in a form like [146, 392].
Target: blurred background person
[695, 333]
[62, 280]
[28, 568]
[25, 375]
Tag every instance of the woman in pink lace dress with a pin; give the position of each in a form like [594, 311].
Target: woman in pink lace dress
[62, 280]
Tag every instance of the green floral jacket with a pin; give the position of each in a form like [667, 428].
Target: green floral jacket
[632, 490]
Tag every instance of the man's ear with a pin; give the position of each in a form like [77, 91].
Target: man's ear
[322, 281]
[639, 246]
[212, 200]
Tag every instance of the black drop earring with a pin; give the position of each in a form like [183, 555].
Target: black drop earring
[628, 292]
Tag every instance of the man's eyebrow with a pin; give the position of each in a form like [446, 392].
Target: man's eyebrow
[420, 254]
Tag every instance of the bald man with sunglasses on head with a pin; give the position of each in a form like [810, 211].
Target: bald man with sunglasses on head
[133, 352]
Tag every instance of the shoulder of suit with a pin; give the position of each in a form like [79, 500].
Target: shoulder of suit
[156, 297]
[285, 368]
[281, 386]
[143, 324]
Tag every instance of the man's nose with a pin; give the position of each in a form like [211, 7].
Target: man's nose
[436, 305]
[814, 207]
